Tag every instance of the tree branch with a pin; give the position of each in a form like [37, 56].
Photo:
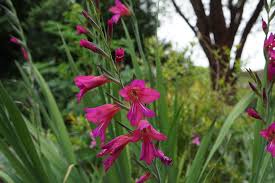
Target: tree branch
[178, 10]
[217, 23]
[202, 20]
[236, 14]
[248, 28]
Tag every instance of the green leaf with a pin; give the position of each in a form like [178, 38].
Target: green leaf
[62, 133]
[193, 173]
[234, 114]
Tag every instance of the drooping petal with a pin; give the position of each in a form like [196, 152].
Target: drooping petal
[271, 148]
[147, 151]
[148, 95]
[100, 131]
[164, 159]
[115, 18]
[108, 162]
[138, 84]
[146, 112]
[124, 92]
[264, 134]
[135, 114]
[113, 149]
[101, 116]
[144, 178]
[151, 131]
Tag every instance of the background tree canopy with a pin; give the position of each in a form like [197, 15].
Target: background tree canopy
[43, 42]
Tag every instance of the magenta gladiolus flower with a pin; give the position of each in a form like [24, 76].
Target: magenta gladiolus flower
[271, 54]
[264, 25]
[23, 50]
[113, 149]
[138, 95]
[119, 54]
[253, 113]
[144, 178]
[110, 25]
[86, 83]
[85, 14]
[25, 53]
[196, 140]
[81, 30]
[270, 41]
[14, 40]
[89, 45]
[118, 11]
[148, 134]
[269, 135]
[271, 71]
[101, 116]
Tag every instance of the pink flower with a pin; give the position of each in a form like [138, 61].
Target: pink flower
[23, 50]
[271, 54]
[196, 140]
[271, 71]
[253, 113]
[89, 45]
[85, 14]
[138, 95]
[86, 83]
[81, 30]
[14, 40]
[110, 25]
[119, 54]
[264, 25]
[144, 178]
[270, 41]
[25, 53]
[269, 135]
[118, 11]
[101, 116]
[147, 134]
[113, 149]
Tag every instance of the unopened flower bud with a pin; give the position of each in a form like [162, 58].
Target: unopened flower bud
[91, 46]
[119, 54]
[264, 25]
[81, 30]
[253, 113]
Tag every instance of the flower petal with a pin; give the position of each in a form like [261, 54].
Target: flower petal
[148, 95]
